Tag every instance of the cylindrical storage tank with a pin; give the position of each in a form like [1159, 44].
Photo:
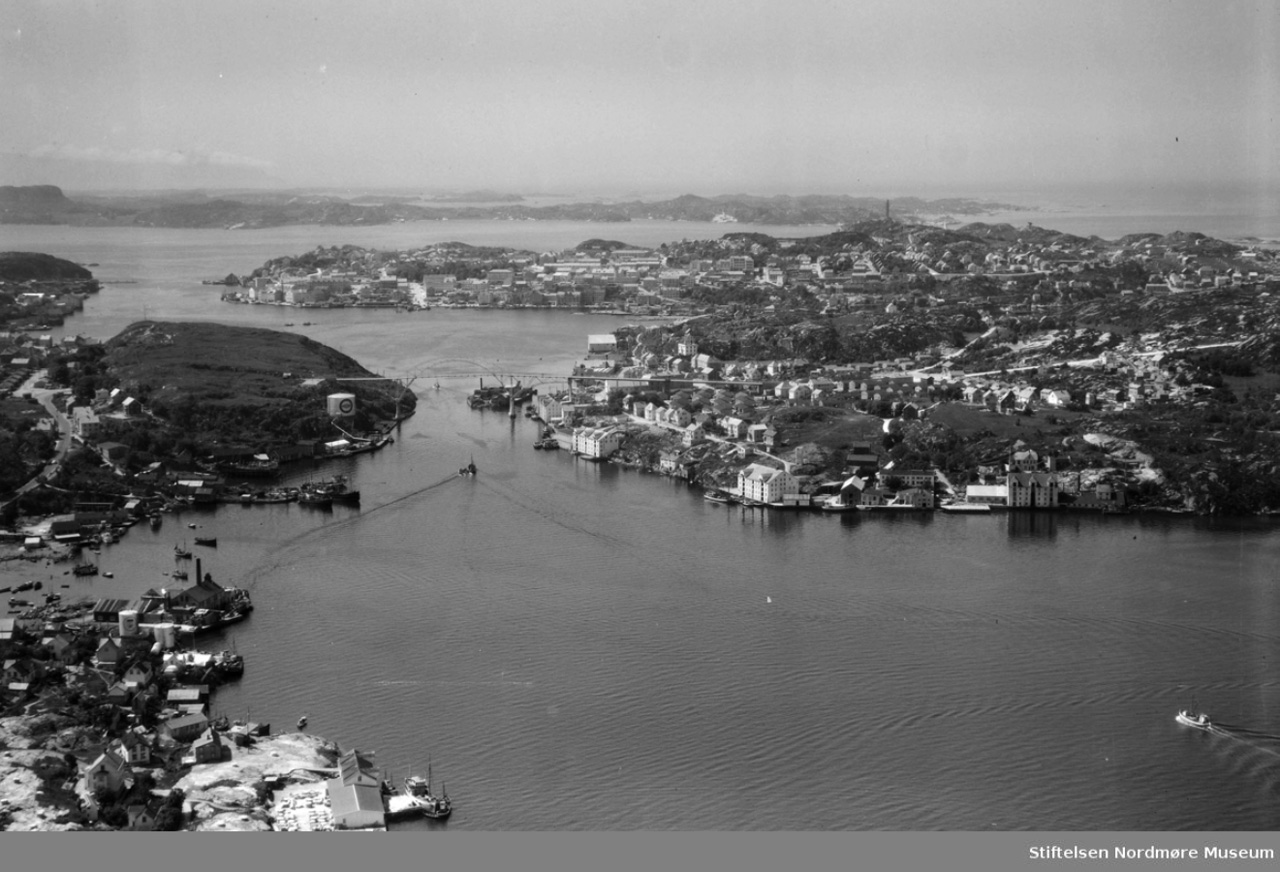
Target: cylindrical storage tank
[342, 405]
[128, 622]
[166, 635]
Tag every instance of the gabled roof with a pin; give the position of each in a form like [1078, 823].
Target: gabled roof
[345, 799]
[357, 768]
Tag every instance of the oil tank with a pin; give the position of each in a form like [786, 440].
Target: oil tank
[341, 405]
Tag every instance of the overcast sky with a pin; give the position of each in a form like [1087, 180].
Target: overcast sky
[700, 96]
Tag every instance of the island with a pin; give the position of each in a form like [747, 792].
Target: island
[240, 210]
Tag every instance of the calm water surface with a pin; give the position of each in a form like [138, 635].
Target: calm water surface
[578, 647]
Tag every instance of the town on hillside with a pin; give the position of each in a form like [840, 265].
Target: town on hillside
[873, 264]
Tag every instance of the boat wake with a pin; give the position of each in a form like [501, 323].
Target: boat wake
[441, 683]
[282, 560]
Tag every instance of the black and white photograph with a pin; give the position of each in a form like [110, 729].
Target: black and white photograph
[561, 417]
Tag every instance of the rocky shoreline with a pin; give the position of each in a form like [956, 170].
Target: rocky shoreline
[37, 778]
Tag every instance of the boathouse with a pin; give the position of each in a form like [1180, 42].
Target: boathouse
[355, 796]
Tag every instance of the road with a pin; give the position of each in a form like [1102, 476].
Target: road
[46, 397]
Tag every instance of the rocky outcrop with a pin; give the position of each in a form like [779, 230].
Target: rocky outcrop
[36, 781]
[228, 795]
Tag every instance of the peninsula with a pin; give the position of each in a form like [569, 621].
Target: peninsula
[199, 403]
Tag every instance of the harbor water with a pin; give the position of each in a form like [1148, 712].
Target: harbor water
[575, 646]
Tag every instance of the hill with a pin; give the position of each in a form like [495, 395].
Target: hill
[242, 385]
[23, 266]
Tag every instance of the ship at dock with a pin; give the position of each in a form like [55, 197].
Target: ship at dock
[415, 799]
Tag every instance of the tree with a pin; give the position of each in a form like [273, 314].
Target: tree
[169, 819]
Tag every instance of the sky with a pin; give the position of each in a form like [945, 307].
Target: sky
[875, 97]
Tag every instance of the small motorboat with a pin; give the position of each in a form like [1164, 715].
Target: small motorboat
[1200, 721]
[302, 722]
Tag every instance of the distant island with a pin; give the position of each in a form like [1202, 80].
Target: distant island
[47, 204]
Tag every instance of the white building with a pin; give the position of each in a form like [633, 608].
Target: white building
[989, 494]
[596, 442]
[765, 484]
[602, 343]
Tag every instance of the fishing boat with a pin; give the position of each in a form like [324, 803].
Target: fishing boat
[418, 789]
[180, 574]
[210, 541]
[716, 496]
[315, 498]
[1200, 721]
[302, 722]
[469, 469]
[180, 552]
[85, 568]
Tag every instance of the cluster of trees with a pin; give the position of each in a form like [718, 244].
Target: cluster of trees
[84, 370]
[23, 450]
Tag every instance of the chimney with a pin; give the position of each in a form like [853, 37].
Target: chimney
[199, 577]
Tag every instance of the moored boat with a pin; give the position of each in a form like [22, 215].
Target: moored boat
[210, 541]
[418, 789]
[965, 507]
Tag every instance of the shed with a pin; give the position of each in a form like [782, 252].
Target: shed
[355, 806]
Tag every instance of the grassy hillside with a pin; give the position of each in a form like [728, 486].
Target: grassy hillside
[242, 384]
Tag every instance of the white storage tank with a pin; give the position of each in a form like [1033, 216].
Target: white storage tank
[342, 405]
[166, 635]
[128, 622]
